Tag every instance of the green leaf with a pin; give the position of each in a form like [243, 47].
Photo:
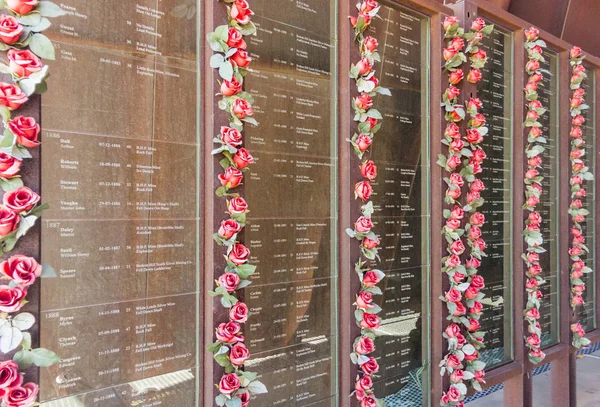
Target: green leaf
[257, 387]
[10, 340]
[23, 359]
[10, 184]
[25, 224]
[31, 19]
[5, 113]
[43, 357]
[8, 140]
[49, 9]
[43, 25]
[48, 271]
[42, 46]
[23, 321]
[248, 29]
[226, 70]
[234, 402]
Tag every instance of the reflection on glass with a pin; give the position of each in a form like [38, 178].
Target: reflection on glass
[548, 207]
[291, 191]
[587, 312]
[120, 174]
[401, 199]
[495, 91]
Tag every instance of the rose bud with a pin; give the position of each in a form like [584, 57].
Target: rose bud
[26, 131]
[239, 254]
[365, 345]
[372, 122]
[452, 92]
[11, 96]
[536, 77]
[453, 162]
[577, 300]
[579, 288]
[449, 53]
[22, 6]
[532, 201]
[230, 88]
[531, 173]
[12, 298]
[239, 313]
[532, 33]
[363, 101]
[580, 193]
[363, 225]
[449, 22]
[579, 69]
[576, 132]
[370, 321]
[239, 354]
[368, 169]
[235, 39]
[243, 158]
[531, 86]
[241, 109]
[363, 190]
[457, 43]
[23, 63]
[578, 120]
[576, 102]
[369, 367]
[21, 396]
[370, 244]
[455, 115]
[576, 153]
[456, 76]
[370, 44]
[231, 178]
[577, 274]
[474, 75]
[10, 29]
[230, 281]
[479, 55]
[474, 104]
[534, 162]
[473, 262]
[575, 52]
[240, 12]
[478, 24]
[241, 58]
[364, 300]
[363, 142]
[229, 383]
[364, 66]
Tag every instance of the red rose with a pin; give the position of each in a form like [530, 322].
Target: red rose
[453, 162]
[9, 375]
[575, 52]
[9, 221]
[363, 190]
[478, 24]
[23, 63]
[235, 39]
[364, 383]
[368, 402]
[9, 165]
[371, 366]
[231, 178]
[457, 43]
[534, 340]
[533, 313]
[237, 205]
[363, 225]
[239, 254]
[363, 101]
[452, 361]
[449, 22]
[449, 53]
[368, 169]
[241, 108]
[21, 396]
[578, 120]
[452, 330]
[531, 284]
[229, 383]
[243, 158]
[457, 145]
[452, 131]
[370, 279]
[230, 88]
[244, 396]
[22, 7]
[473, 136]
[21, 269]
[457, 114]
[474, 75]
[371, 44]
[456, 76]
[536, 77]
[241, 58]
[364, 66]
[452, 93]
[576, 132]
[10, 29]
[240, 12]
[26, 131]
[229, 228]
[365, 345]
[453, 295]
[20, 200]
[239, 312]
[230, 281]
[11, 298]
[239, 354]
[229, 332]
[370, 321]
[11, 96]
[364, 300]
[370, 244]
[363, 142]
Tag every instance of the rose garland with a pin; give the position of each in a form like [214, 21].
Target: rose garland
[579, 173]
[231, 59]
[21, 39]
[533, 189]
[463, 299]
[369, 123]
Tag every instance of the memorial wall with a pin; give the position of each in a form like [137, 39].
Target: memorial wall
[120, 175]
[495, 91]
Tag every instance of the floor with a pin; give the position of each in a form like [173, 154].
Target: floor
[588, 386]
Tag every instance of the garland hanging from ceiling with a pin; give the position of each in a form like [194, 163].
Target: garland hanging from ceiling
[230, 58]
[580, 173]
[369, 123]
[533, 189]
[463, 162]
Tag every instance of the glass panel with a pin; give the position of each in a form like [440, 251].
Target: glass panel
[401, 199]
[120, 172]
[292, 193]
[587, 313]
[495, 91]
[548, 206]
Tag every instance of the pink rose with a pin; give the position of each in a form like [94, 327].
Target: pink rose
[532, 33]
[363, 225]
[229, 383]
[370, 244]
[369, 367]
[9, 221]
[239, 312]
[10, 29]
[363, 101]
[364, 300]
[478, 24]
[22, 7]
[474, 75]
[239, 254]
[368, 169]
[363, 142]
[241, 109]
[534, 269]
[364, 66]
[578, 120]
[9, 375]
[370, 44]
[477, 308]
[237, 205]
[453, 162]
[21, 269]
[241, 58]
[235, 39]
[26, 131]
[9, 165]
[364, 383]
[370, 321]
[240, 12]
[452, 361]
[229, 332]
[230, 88]
[23, 63]
[21, 396]
[364, 346]
[477, 219]
[457, 43]
[453, 295]
[474, 136]
[453, 224]
[243, 158]
[11, 298]
[363, 190]
[11, 96]
[575, 52]
[457, 247]
[449, 53]
[228, 229]
[231, 178]
[457, 145]
[449, 22]
[370, 278]
[457, 376]
[534, 161]
[230, 281]
[452, 131]
[20, 200]
[456, 76]
[368, 402]
[239, 354]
